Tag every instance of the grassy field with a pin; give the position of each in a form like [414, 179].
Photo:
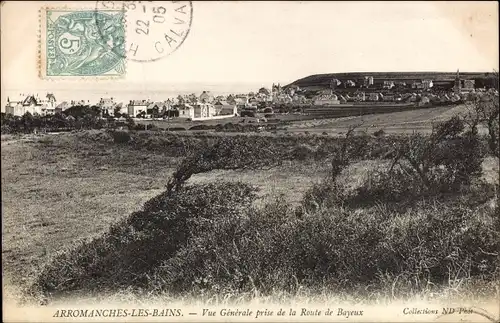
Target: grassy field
[57, 190]
[401, 122]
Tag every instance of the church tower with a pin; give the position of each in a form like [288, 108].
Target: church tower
[458, 84]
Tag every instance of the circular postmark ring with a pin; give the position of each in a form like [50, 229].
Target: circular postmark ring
[154, 29]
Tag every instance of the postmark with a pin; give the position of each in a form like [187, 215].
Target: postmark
[155, 29]
[72, 45]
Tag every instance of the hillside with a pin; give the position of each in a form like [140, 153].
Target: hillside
[318, 81]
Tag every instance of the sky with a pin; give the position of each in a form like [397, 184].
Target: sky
[238, 46]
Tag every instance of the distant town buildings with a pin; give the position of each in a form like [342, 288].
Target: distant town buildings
[368, 81]
[373, 97]
[222, 107]
[107, 106]
[32, 104]
[206, 97]
[388, 85]
[136, 107]
[326, 97]
[205, 105]
[427, 84]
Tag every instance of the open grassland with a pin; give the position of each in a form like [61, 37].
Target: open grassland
[401, 122]
[58, 189]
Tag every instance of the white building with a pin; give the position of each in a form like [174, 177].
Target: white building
[185, 111]
[136, 107]
[32, 104]
[326, 97]
[224, 108]
[107, 106]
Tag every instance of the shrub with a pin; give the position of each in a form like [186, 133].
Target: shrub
[303, 152]
[121, 137]
[444, 161]
[379, 133]
[202, 127]
[327, 194]
[140, 126]
[246, 113]
[130, 251]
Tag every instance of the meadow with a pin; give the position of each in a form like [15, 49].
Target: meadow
[238, 216]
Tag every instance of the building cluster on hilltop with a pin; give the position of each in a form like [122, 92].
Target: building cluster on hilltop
[369, 89]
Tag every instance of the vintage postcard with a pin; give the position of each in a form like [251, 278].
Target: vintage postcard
[250, 161]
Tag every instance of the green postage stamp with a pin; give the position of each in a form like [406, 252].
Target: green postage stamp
[82, 43]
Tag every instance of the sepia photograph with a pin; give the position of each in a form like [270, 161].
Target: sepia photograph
[250, 161]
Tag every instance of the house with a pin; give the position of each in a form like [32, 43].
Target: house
[185, 110]
[334, 83]
[241, 101]
[154, 109]
[424, 100]
[49, 104]
[283, 98]
[360, 96]
[61, 107]
[203, 110]
[368, 81]
[299, 99]
[136, 107]
[469, 85]
[206, 97]
[107, 106]
[419, 85]
[427, 84]
[79, 103]
[411, 97]
[264, 91]
[388, 85]
[231, 99]
[350, 83]
[32, 104]
[400, 85]
[292, 89]
[224, 108]
[326, 97]
[373, 97]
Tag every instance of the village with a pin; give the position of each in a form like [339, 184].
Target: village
[312, 100]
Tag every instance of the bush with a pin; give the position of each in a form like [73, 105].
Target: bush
[121, 137]
[131, 250]
[446, 161]
[379, 133]
[303, 152]
[202, 127]
[246, 113]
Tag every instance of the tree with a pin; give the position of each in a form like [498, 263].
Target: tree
[484, 109]
[130, 122]
[27, 121]
[116, 111]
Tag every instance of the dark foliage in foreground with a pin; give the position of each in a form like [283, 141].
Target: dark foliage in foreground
[128, 254]
[211, 239]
